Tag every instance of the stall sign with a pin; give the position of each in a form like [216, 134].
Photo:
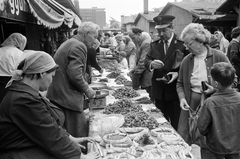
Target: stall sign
[16, 10]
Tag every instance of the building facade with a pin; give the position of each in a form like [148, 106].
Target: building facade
[95, 15]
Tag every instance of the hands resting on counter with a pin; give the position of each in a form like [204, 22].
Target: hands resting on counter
[79, 140]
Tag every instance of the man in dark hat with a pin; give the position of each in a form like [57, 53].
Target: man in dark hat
[164, 60]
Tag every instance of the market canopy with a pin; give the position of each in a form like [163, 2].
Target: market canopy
[52, 14]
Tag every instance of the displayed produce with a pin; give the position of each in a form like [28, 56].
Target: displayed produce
[94, 148]
[173, 147]
[138, 151]
[125, 155]
[165, 124]
[113, 74]
[153, 154]
[154, 110]
[125, 93]
[171, 156]
[133, 132]
[145, 141]
[108, 65]
[120, 79]
[103, 80]
[161, 130]
[185, 154]
[140, 119]
[123, 107]
[168, 137]
[144, 100]
[117, 140]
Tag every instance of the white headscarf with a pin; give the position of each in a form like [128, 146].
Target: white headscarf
[35, 62]
[15, 39]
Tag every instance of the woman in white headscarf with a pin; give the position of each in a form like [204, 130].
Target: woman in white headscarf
[31, 126]
[11, 52]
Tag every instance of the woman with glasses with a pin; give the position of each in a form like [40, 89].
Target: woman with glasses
[194, 69]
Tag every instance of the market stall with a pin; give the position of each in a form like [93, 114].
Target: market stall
[126, 124]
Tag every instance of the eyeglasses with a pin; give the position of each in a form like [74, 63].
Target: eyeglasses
[189, 44]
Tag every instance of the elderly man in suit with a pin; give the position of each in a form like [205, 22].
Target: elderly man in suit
[164, 60]
[69, 84]
[141, 77]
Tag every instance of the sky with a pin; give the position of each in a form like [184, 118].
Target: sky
[116, 8]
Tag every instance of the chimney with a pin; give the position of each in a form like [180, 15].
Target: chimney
[145, 6]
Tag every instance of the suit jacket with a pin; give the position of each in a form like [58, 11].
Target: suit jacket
[157, 52]
[69, 83]
[142, 51]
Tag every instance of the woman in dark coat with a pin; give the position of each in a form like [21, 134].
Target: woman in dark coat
[30, 126]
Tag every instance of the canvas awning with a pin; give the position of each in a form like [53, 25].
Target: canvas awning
[52, 14]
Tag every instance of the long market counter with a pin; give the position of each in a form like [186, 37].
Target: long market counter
[165, 144]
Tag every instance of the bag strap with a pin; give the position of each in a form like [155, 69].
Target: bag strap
[193, 112]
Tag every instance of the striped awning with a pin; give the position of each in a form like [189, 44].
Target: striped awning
[52, 14]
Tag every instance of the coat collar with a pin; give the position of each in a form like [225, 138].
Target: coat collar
[79, 38]
[19, 86]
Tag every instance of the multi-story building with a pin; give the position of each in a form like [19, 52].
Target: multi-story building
[95, 15]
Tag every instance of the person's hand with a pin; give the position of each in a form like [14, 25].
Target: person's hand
[130, 73]
[210, 89]
[174, 76]
[90, 93]
[184, 105]
[101, 71]
[83, 139]
[157, 64]
[79, 140]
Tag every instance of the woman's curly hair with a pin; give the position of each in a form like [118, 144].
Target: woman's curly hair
[198, 32]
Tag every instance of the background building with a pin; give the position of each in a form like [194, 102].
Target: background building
[95, 15]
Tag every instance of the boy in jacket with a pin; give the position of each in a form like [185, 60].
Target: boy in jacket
[219, 118]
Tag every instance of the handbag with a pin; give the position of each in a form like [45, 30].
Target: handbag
[194, 132]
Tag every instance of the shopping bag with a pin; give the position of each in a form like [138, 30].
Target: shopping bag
[194, 132]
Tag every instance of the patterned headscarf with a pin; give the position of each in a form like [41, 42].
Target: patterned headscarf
[17, 40]
[35, 62]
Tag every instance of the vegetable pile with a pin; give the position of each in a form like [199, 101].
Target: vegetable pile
[103, 80]
[123, 107]
[109, 65]
[113, 74]
[140, 119]
[120, 79]
[145, 140]
[125, 93]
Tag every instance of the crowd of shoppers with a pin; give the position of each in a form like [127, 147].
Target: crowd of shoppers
[170, 68]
